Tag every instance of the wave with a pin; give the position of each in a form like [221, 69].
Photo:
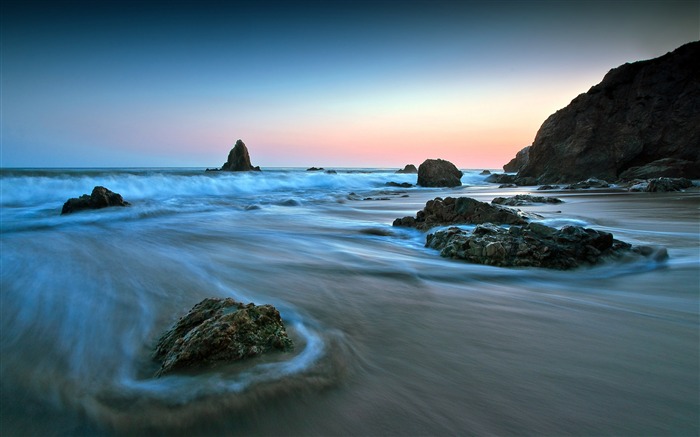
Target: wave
[41, 187]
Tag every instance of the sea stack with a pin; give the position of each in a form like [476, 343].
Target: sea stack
[641, 121]
[239, 159]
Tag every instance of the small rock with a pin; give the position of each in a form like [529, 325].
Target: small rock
[100, 197]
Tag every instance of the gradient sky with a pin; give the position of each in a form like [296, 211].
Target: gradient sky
[346, 84]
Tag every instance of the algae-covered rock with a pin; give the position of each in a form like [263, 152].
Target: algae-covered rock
[221, 330]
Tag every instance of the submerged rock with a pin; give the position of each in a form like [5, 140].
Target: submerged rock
[534, 245]
[500, 178]
[461, 210]
[439, 173]
[409, 168]
[221, 330]
[239, 159]
[524, 199]
[100, 197]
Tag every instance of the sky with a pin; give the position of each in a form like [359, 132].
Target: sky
[334, 84]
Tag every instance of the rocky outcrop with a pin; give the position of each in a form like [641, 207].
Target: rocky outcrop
[100, 197]
[315, 169]
[438, 173]
[534, 245]
[661, 185]
[500, 178]
[218, 331]
[639, 115]
[239, 159]
[409, 168]
[524, 199]
[515, 164]
[460, 210]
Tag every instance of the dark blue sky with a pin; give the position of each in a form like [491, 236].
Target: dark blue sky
[312, 83]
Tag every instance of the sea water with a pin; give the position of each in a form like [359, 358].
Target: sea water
[391, 339]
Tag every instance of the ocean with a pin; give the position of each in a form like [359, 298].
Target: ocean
[391, 339]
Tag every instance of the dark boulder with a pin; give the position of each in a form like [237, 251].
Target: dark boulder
[239, 159]
[399, 184]
[409, 168]
[515, 164]
[438, 173]
[217, 331]
[315, 169]
[500, 178]
[485, 172]
[524, 199]
[534, 245]
[460, 210]
[100, 197]
[640, 114]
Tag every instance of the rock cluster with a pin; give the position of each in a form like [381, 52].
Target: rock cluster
[221, 330]
[460, 210]
[534, 245]
[588, 183]
[439, 173]
[100, 197]
[239, 159]
[524, 199]
[659, 185]
[641, 121]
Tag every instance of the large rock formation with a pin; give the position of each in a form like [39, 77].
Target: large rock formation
[461, 210]
[239, 159]
[438, 173]
[534, 245]
[221, 330]
[100, 197]
[639, 115]
[515, 164]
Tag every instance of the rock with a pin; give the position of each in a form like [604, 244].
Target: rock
[218, 331]
[508, 186]
[534, 245]
[500, 178]
[314, 169]
[588, 183]
[659, 185]
[525, 181]
[331, 172]
[409, 168]
[485, 173]
[460, 210]
[515, 164]
[667, 167]
[239, 159]
[100, 197]
[626, 126]
[438, 173]
[524, 199]
[399, 185]
[548, 187]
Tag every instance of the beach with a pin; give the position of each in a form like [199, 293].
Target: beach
[391, 338]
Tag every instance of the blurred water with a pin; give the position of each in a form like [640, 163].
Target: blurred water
[391, 338]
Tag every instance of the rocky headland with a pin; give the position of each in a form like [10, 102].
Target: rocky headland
[642, 121]
[217, 331]
[100, 197]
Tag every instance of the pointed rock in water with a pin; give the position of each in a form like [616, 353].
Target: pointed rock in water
[221, 330]
[100, 197]
[439, 173]
[239, 159]
[518, 162]
[461, 210]
[409, 168]
[535, 245]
